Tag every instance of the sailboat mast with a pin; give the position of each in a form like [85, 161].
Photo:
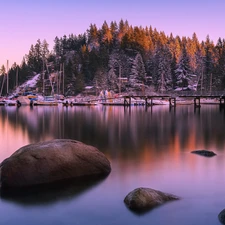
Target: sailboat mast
[63, 77]
[17, 76]
[60, 72]
[43, 79]
[7, 66]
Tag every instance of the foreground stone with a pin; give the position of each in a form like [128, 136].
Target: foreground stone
[204, 153]
[221, 216]
[143, 199]
[51, 161]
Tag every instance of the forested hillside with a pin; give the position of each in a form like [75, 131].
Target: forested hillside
[121, 57]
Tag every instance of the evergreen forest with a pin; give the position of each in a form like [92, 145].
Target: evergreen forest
[122, 58]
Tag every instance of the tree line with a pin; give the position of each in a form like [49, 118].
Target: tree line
[120, 57]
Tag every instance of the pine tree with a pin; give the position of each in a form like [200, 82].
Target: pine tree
[162, 77]
[100, 80]
[123, 27]
[219, 74]
[193, 47]
[44, 49]
[106, 35]
[182, 72]
[112, 81]
[114, 32]
[58, 49]
[137, 76]
[2, 70]
[209, 61]
[38, 56]
[93, 37]
[69, 80]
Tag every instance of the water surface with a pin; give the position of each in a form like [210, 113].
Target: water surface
[146, 147]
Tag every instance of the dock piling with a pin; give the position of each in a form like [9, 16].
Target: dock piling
[197, 102]
[172, 102]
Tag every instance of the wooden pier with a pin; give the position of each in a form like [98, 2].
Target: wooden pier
[172, 100]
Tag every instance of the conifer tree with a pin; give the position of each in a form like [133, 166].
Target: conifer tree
[93, 37]
[219, 72]
[2, 70]
[138, 74]
[106, 35]
[123, 26]
[114, 32]
[208, 63]
[183, 75]
[162, 77]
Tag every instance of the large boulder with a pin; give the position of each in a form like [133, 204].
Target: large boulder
[204, 153]
[143, 199]
[51, 161]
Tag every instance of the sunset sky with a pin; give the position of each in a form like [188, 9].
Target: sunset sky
[23, 22]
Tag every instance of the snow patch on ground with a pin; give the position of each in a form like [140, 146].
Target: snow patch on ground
[32, 82]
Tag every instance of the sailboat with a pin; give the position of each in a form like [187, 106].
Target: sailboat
[9, 101]
[47, 100]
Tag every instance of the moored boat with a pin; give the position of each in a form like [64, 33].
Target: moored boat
[46, 101]
[84, 103]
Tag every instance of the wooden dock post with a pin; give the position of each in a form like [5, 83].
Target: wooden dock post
[222, 101]
[172, 102]
[127, 103]
[151, 101]
[147, 102]
[197, 102]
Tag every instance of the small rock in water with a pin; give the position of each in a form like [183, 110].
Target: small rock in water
[144, 199]
[204, 153]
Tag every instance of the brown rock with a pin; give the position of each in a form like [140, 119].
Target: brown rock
[142, 199]
[52, 161]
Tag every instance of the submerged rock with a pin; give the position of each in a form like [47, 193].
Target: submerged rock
[204, 153]
[51, 161]
[221, 216]
[143, 199]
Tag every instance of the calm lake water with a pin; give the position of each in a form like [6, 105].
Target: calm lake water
[146, 147]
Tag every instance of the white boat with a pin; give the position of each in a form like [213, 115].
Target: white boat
[84, 103]
[210, 101]
[120, 101]
[137, 102]
[2, 102]
[27, 99]
[160, 102]
[10, 102]
[112, 101]
[47, 100]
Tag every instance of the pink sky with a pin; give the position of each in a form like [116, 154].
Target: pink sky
[23, 22]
